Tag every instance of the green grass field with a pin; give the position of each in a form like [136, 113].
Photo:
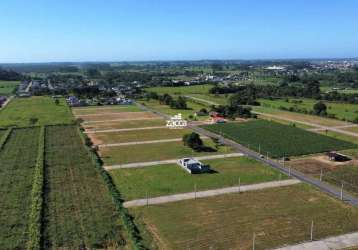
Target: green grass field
[218, 99]
[8, 87]
[277, 216]
[105, 109]
[125, 124]
[20, 111]
[154, 152]
[79, 211]
[139, 135]
[171, 179]
[17, 160]
[196, 89]
[278, 139]
[342, 111]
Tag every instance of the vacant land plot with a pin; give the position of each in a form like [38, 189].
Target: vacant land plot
[138, 135]
[17, 164]
[155, 152]
[300, 117]
[117, 116]
[219, 99]
[196, 89]
[277, 216]
[23, 112]
[171, 179]
[277, 139]
[79, 211]
[8, 87]
[124, 124]
[105, 109]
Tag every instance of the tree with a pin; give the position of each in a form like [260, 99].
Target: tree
[57, 102]
[193, 141]
[320, 109]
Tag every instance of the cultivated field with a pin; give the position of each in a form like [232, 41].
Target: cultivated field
[155, 152]
[196, 89]
[103, 117]
[104, 109]
[277, 139]
[125, 124]
[24, 112]
[17, 161]
[171, 179]
[277, 216]
[8, 87]
[79, 212]
[138, 135]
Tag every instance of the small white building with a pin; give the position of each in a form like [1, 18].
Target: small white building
[193, 166]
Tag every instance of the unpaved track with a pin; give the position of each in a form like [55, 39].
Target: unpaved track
[337, 242]
[119, 120]
[93, 131]
[138, 142]
[208, 193]
[153, 163]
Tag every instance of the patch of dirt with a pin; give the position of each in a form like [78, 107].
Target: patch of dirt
[94, 139]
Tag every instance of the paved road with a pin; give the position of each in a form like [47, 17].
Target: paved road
[153, 163]
[338, 242]
[100, 114]
[208, 193]
[324, 187]
[94, 131]
[120, 120]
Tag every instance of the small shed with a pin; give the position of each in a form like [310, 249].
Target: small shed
[334, 156]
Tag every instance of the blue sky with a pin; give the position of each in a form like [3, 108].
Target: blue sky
[117, 30]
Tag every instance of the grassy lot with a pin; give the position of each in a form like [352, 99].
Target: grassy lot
[192, 108]
[348, 175]
[277, 216]
[17, 160]
[138, 135]
[196, 89]
[299, 117]
[105, 109]
[298, 125]
[352, 129]
[342, 111]
[278, 139]
[2, 132]
[171, 179]
[125, 124]
[79, 211]
[154, 152]
[43, 110]
[219, 99]
[8, 87]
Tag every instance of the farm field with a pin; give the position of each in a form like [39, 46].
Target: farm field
[184, 90]
[8, 87]
[138, 135]
[79, 211]
[300, 117]
[192, 108]
[155, 152]
[277, 139]
[229, 221]
[105, 109]
[17, 160]
[342, 111]
[171, 179]
[125, 124]
[117, 116]
[23, 112]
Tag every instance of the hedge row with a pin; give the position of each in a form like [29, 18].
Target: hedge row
[130, 226]
[35, 220]
[5, 137]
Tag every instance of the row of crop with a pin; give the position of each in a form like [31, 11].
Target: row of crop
[131, 228]
[5, 137]
[35, 219]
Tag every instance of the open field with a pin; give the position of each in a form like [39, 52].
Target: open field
[277, 216]
[196, 89]
[117, 116]
[171, 179]
[219, 99]
[2, 132]
[125, 124]
[24, 112]
[192, 108]
[8, 87]
[17, 161]
[79, 211]
[104, 109]
[300, 117]
[277, 139]
[155, 152]
[138, 135]
[342, 111]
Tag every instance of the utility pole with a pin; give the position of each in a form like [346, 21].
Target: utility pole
[312, 231]
[239, 185]
[195, 191]
[253, 241]
[321, 176]
[342, 192]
